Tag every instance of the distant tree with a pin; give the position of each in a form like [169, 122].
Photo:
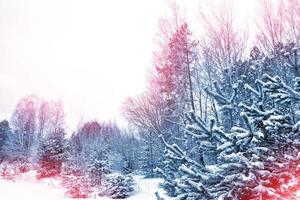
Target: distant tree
[5, 131]
[146, 114]
[88, 133]
[293, 21]
[92, 146]
[32, 120]
[278, 25]
[271, 24]
[98, 164]
[44, 117]
[151, 154]
[223, 43]
[127, 149]
[175, 75]
[166, 28]
[24, 122]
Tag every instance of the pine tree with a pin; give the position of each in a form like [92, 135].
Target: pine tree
[126, 150]
[98, 164]
[252, 160]
[118, 186]
[151, 154]
[75, 179]
[4, 132]
[51, 154]
[94, 147]
[175, 75]
[74, 175]
[174, 80]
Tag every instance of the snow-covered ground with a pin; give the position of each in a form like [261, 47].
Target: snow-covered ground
[146, 189]
[27, 188]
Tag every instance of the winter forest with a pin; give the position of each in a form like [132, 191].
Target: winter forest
[219, 119]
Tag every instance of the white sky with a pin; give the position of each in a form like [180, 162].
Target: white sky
[91, 54]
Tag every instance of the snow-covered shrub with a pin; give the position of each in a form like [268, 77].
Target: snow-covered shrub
[117, 186]
[11, 170]
[6, 171]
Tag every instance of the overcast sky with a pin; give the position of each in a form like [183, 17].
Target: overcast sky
[90, 54]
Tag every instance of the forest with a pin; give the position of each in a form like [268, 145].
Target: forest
[219, 119]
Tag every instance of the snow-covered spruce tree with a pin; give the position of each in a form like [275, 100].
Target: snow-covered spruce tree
[51, 154]
[274, 115]
[118, 186]
[4, 131]
[227, 97]
[151, 154]
[75, 180]
[93, 147]
[252, 160]
[194, 178]
[74, 176]
[98, 164]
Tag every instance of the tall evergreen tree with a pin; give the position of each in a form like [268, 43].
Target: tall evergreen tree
[174, 78]
[51, 154]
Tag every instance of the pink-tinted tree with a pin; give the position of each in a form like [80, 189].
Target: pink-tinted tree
[175, 76]
[51, 154]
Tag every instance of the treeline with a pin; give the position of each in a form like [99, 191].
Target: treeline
[87, 161]
[221, 113]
